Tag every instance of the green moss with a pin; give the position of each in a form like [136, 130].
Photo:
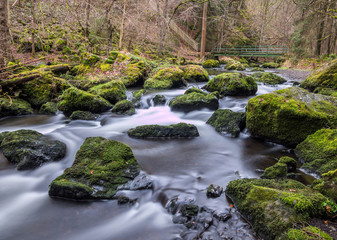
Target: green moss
[235, 65]
[124, 107]
[278, 170]
[180, 130]
[257, 69]
[195, 73]
[48, 108]
[324, 77]
[166, 78]
[288, 116]
[100, 166]
[211, 63]
[194, 101]
[196, 90]
[327, 185]
[225, 120]
[80, 69]
[274, 206]
[232, 84]
[290, 162]
[268, 78]
[138, 94]
[306, 233]
[134, 74]
[74, 99]
[83, 115]
[113, 91]
[271, 65]
[318, 151]
[189, 210]
[92, 60]
[14, 107]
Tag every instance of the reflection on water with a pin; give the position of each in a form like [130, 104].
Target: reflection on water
[183, 168]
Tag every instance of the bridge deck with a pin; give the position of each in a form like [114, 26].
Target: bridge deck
[250, 51]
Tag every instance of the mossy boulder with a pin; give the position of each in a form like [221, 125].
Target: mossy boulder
[194, 101]
[318, 151]
[271, 65]
[166, 78]
[124, 107]
[159, 100]
[100, 167]
[113, 91]
[274, 206]
[288, 116]
[83, 115]
[327, 185]
[74, 99]
[257, 69]
[268, 78]
[305, 233]
[324, 77]
[14, 107]
[232, 84]
[30, 149]
[134, 74]
[48, 108]
[290, 162]
[211, 63]
[180, 130]
[225, 120]
[278, 170]
[195, 73]
[235, 65]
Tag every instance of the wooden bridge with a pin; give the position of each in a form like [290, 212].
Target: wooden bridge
[250, 51]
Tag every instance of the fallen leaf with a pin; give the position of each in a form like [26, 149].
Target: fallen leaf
[231, 205]
[326, 222]
[292, 190]
[91, 171]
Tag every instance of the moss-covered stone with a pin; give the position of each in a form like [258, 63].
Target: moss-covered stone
[211, 63]
[278, 170]
[257, 69]
[195, 73]
[100, 166]
[290, 162]
[14, 107]
[268, 78]
[159, 100]
[48, 108]
[327, 185]
[318, 151]
[83, 115]
[325, 77]
[189, 210]
[2, 136]
[180, 130]
[74, 99]
[273, 207]
[124, 107]
[306, 233]
[271, 65]
[134, 74]
[166, 78]
[225, 120]
[288, 116]
[235, 65]
[232, 84]
[113, 91]
[194, 101]
[30, 149]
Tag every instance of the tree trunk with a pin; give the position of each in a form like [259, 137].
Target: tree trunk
[33, 27]
[163, 28]
[87, 25]
[121, 34]
[5, 43]
[204, 26]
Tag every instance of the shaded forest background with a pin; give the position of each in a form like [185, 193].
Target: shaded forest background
[307, 27]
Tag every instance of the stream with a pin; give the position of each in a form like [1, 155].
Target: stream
[182, 169]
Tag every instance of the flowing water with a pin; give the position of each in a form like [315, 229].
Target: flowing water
[178, 168]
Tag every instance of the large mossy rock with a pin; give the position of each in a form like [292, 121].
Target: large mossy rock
[225, 120]
[74, 99]
[83, 115]
[30, 149]
[195, 73]
[180, 130]
[318, 152]
[235, 65]
[14, 107]
[113, 91]
[211, 63]
[134, 74]
[282, 169]
[288, 116]
[327, 185]
[324, 77]
[271, 65]
[305, 233]
[192, 101]
[166, 78]
[268, 78]
[48, 108]
[232, 84]
[124, 107]
[273, 207]
[100, 167]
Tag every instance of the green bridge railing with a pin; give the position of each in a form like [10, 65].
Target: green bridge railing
[250, 51]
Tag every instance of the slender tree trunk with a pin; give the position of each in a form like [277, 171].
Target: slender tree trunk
[33, 27]
[87, 22]
[204, 26]
[121, 34]
[163, 28]
[5, 44]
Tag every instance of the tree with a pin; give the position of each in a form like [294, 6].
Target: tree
[5, 39]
